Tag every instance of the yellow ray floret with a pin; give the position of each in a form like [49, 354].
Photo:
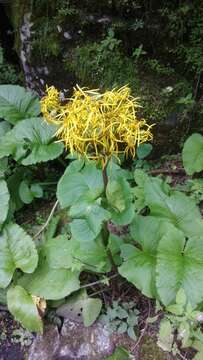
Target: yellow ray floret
[97, 125]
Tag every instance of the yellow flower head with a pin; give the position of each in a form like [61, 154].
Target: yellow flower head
[97, 125]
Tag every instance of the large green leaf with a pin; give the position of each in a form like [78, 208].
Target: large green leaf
[144, 150]
[72, 186]
[139, 265]
[88, 218]
[4, 128]
[177, 208]
[49, 283]
[143, 180]
[31, 141]
[10, 146]
[115, 194]
[38, 136]
[17, 251]
[17, 104]
[13, 182]
[4, 201]
[90, 256]
[193, 154]
[23, 308]
[3, 166]
[75, 166]
[179, 265]
[119, 197]
[58, 252]
[114, 171]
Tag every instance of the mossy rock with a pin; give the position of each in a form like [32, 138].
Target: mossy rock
[149, 350]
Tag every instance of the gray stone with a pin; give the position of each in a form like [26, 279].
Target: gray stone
[77, 342]
[45, 346]
[67, 35]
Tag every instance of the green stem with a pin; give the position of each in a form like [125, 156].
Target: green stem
[105, 236]
[105, 177]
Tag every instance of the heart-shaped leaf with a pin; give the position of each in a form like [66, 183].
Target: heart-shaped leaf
[31, 141]
[179, 265]
[139, 266]
[193, 154]
[73, 185]
[17, 251]
[22, 307]
[119, 196]
[17, 104]
[49, 283]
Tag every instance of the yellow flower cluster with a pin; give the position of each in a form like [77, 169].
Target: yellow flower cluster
[97, 125]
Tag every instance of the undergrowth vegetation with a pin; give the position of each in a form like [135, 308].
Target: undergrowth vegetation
[8, 73]
[152, 46]
[107, 221]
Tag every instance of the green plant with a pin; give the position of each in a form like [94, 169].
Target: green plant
[94, 61]
[186, 101]
[121, 318]
[143, 151]
[173, 226]
[181, 327]
[192, 154]
[138, 52]
[120, 354]
[8, 74]
[91, 203]
[28, 192]
[196, 189]
[25, 138]
[185, 26]
[161, 255]
[158, 68]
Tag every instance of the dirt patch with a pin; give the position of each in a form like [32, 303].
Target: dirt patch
[14, 340]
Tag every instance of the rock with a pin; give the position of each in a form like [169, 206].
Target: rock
[45, 346]
[67, 35]
[150, 350]
[77, 342]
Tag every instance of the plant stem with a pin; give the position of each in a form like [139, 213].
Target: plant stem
[105, 176]
[105, 236]
[48, 220]
[98, 281]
